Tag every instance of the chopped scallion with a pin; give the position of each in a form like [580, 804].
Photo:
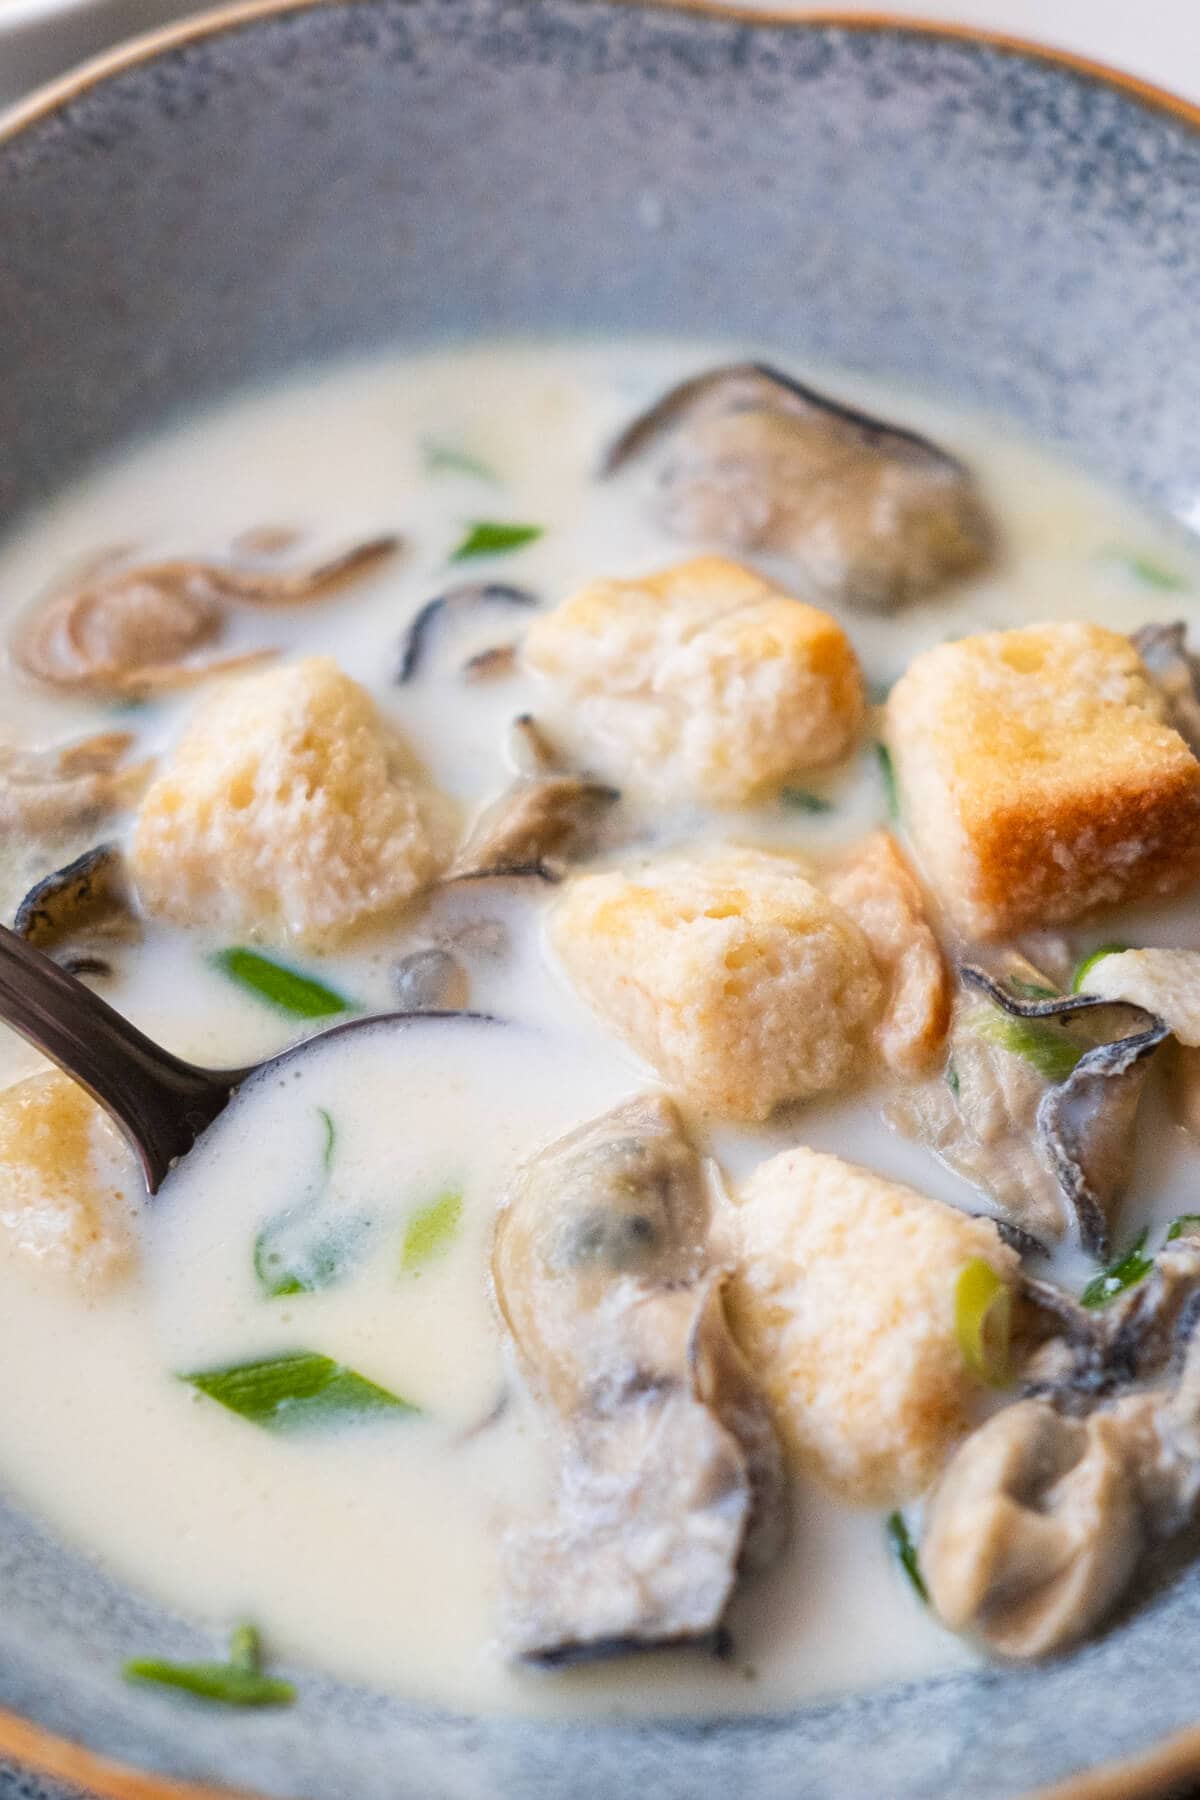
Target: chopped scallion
[429, 1231]
[245, 1647]
[280, 986]
[952, 1079]
[238, 1682]
[801, 800]
[905, 1552]
[1030, 990]
[1040, 1041]
[1117, 1279]
[1182, 1226]
[493, 537]
[983, 1321]
[330, 1137]
[299, 1253]
[444, 459]
[297, 1392]
[887, 770]
[1147, 571]
[1089, 962]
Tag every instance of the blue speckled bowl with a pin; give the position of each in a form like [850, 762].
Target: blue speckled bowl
[273, 186]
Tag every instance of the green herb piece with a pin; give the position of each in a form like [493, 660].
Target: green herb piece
[330, 1137]
[245, 1647]
[224, 1682]
[295, 1253]
[444, 459]
[983, 1321]
[905, 1552]
[297, 1392]
[238, 1682]
[1030, 990]
[1039, 1041]
[800, 800]
[1132, 1268]
[1089, 962]
[1179, 1226]
[428, 1232]
[952, 1080]
[887, 770]
[494, 537]
[285, 988]
[1147, 571]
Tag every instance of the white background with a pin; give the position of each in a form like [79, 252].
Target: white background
[1157, 39]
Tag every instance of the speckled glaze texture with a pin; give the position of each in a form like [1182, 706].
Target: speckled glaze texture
[1016, 235]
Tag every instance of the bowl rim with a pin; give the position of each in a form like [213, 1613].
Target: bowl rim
[1150, 1774]
[236, 14]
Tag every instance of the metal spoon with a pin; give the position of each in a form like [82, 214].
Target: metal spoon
[160, 1102]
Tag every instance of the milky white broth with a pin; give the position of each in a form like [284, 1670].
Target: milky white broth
[372, 1552]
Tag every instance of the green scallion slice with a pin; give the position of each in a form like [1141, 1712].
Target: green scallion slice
[1184, 1223]
[446, 459]
[223, 1682]
[1147, 571]
[494, 537]
[298, 1252]
[801, 800]
[245, 1647]
[330, 1138]
[429, 1232]
[1029, 990]
[983, 1321]
[1089, 962]
[905, 1552]
[285, 988]
[238, 1682]
[887, 770]
[1040, 1041]
[300, 1391]
[1120, 1276]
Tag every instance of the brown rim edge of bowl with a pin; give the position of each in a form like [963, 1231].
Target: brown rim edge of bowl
[62, 1760]
[1148, 1776]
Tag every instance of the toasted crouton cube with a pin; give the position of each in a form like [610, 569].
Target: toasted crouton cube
[876, 887]
[702, 682]
[66, 1181]
[1039, 779]
[843, 1300]
[290, 809]
[734, 976]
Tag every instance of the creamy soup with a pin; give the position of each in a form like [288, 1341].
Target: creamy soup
[345, 1206]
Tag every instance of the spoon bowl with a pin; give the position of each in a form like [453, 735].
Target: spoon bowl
[160, 1102]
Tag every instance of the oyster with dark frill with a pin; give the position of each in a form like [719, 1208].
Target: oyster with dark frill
[670, 1480]
[870, 514]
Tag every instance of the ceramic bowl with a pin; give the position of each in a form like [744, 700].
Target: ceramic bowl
[268, 187]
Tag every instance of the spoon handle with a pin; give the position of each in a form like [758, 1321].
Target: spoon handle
[161, 1103]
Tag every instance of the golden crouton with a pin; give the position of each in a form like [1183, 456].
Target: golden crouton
[1039, 779]
[734, 976]
[879, 891]
[66, 1180]
[702, 682]
[843, 1300]
[290, 809]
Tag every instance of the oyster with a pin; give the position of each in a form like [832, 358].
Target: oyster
[670, 1477]
[870, 514]
[125, 630]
